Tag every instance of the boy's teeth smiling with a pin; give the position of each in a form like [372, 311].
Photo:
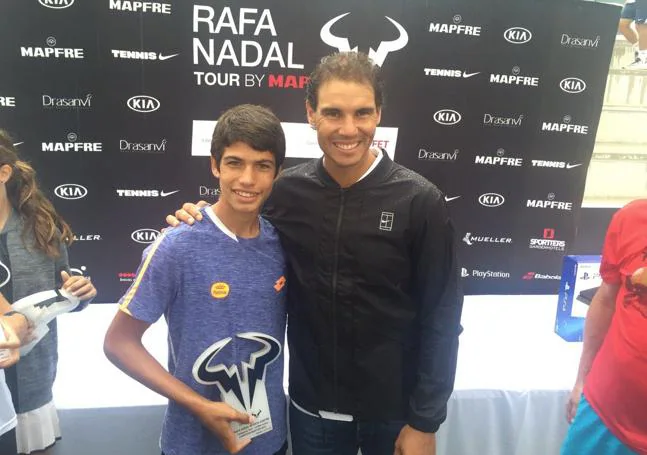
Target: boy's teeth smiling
[346, 146]
[244, 193]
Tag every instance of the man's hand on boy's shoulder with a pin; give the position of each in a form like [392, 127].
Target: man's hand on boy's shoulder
[187, 214]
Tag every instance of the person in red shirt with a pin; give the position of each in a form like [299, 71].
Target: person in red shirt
[608, 404]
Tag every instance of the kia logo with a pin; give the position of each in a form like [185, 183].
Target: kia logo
[70, 191]
[143, 103]
[517, 35]
[572, 85]
[491, 200]
[144, 235]
[447, 117]
[56, 4]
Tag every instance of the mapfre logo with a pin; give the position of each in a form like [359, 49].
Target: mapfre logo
[72, 145]
[53, 102]
[51, 51]
[144, 235]
[455, 28]
[555, 164]
[342, 44]
[515, 78]
[145, 193]
[431, 155]
[447, 73]
[572, 85]
[56, 4]
[549, 203]
[447, 117]
[141, 55]
[491, 200]
[499, 160]
[140, 7]
[566, 126]
[7, 101]
[517, 35]
[70, 191]
[143, 103]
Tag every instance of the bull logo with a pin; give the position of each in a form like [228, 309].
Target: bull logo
[378, 56]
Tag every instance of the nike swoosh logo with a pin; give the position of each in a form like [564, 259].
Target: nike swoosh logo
[166, 57]
[448, 199]
[470, 74]
[18, 143]
[164, 194]
[571, 166]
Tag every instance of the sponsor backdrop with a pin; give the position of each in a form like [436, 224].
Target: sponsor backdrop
[496, 102]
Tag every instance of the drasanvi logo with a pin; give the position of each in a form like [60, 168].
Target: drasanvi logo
[70, 191]
[579, 42]
[143, 103]
[56, 4]
[447, 117]
[144, 235]
[491, 200]
[63, 103]
[143, 147]
[572, 85]
[431, 155]
[517, 35]
[378, 56]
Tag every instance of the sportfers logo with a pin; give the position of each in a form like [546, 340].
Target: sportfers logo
[572, 85]
[491, 200]
[141, 55]
[143, 147]
[499, 160]
[430, 155]
[144, 193]
[456, 28]
[538, 276]
[496, 120]
[51, 51]
[517, 35]
[437, 72]
[514, 78]
[140, 7]
[70, 191]
[472, 239]
[555, 164]
[547, 242]
[72, 145]
[447, 117]
[56, 4]
[144, 235]
[143, 103]
[579, 42]
[549, 203]
[378, 56]
[63, 103]
[565, 127]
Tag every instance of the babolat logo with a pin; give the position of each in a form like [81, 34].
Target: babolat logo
[62, 103]
[7, 101]
[517, 35]
[565, 127]
[143, 103]
[549, 203]
[514, 79]
[437, 72]
[430, 155]
[496, 120]
[56, 4]
[143, 147]
[72, 145]
[472, 239]
[572, 85]
[144, 235]
[70, 191]
[51, 51]
[144, 193]
[456, 28]
[491, 200]
[499, 160]
[555, 164]
[140, 7]
[141, 55]
[447, 117]
[540, 276]
[579, 42]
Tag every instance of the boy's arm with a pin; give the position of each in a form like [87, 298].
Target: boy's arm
[124, 348]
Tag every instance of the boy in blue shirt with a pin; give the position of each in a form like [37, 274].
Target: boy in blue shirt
[225, 309]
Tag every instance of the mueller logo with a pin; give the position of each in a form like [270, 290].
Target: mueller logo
[383, 49]
[491, 200]
[51, 51]
[472, 239]
[142, 147]
[514, 79]
[460, 74]
[496, 120]
[63, 103]
[143, 103]
[87, 237]
[549, 203]
[456, 28]
[447, 117]
[7, 101]
[555, 164]
[144, 235]
[140, 7]
[579, 42]
[430, 155]
[56, 4]
[565, 127]
[72, 145]
[548, 242]
[144, 193]
[517, 35]
[539, 276]
[70, 191]
[572, 85]
[499, 160]
[141, 55]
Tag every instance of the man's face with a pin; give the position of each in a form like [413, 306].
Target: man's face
[345, 119]
[246, 177]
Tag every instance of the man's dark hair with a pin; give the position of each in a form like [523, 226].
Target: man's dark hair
[256, 126]
[346, 66]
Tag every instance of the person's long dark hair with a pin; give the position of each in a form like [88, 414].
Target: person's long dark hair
[39, 217]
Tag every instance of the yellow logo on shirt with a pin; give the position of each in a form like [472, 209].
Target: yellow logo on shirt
[219, 290]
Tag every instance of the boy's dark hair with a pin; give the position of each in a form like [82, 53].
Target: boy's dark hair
[346, 66]
[256, 126]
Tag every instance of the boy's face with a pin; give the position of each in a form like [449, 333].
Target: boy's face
[346, 119]
[246, 177]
